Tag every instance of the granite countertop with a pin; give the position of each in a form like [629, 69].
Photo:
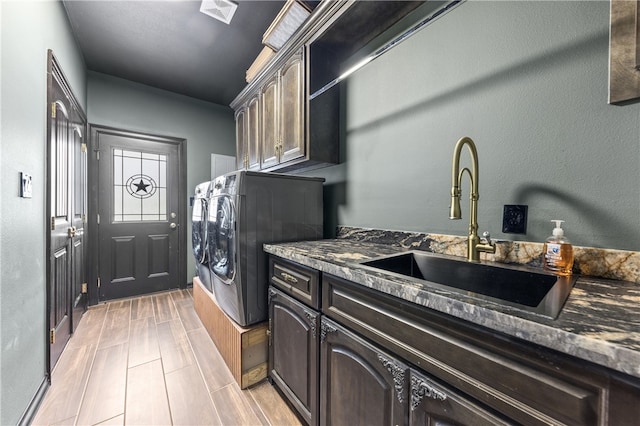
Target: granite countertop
[600, 321]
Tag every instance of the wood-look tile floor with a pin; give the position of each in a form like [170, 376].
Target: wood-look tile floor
[149, 361]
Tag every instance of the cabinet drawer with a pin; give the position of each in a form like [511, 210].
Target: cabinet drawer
[298, 281]
[530, 386]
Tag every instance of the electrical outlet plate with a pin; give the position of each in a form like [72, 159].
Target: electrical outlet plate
[514, 219]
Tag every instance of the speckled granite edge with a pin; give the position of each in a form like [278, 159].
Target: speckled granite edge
[595, 262]
[600, 322]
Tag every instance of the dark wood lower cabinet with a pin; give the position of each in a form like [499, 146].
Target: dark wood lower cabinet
[293, 352]
[433, 403]
[371, 359]
[359, 383]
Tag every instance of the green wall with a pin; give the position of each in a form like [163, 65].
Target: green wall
[528, 81]
[28, 29]
[208, 128]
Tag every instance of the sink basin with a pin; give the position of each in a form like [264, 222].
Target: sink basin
[524, 288]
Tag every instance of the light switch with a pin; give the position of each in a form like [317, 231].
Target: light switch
[26, 181]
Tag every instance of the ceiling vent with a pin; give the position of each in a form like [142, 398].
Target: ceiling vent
[222, 10]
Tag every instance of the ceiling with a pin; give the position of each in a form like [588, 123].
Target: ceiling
[171, 45]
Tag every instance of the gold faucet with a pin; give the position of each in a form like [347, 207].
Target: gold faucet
[474, 246]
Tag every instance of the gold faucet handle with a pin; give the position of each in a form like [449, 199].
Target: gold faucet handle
[486, 245]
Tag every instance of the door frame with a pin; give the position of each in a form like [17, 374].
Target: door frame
[94, 131]
[54, 72]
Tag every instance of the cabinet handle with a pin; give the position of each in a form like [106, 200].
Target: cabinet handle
[289, 278]
[420, 389]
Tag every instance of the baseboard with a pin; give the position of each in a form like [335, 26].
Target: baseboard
[30, 413]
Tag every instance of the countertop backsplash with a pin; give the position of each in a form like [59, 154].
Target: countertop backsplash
[589, 261]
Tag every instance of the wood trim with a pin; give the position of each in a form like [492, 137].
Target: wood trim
[244, 349]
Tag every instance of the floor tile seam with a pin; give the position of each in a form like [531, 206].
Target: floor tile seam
[242, 395]
[106, 420]
[258, 405]
[126, 377]
[164, 381]
[164, 373]
[125, 383]
[175, 309]
[202, 378]
[128, 327]
[93, 360]
[93, 356]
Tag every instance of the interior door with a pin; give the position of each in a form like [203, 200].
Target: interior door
[78, 221]
[66, 207]
[140, 222]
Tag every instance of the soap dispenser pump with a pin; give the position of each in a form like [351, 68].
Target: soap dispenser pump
[558, 252]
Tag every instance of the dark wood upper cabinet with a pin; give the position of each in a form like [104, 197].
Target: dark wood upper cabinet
[296, 131]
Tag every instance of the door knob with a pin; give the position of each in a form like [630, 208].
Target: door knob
[173, 225]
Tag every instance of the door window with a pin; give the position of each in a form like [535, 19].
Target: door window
[139, 186]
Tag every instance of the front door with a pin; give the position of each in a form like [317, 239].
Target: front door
[139, 215]
[66, 207]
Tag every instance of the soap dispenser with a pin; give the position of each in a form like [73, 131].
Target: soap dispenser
[558, 252]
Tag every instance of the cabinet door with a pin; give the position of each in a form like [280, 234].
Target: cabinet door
[359, 384]
[270, 134]
[241, 139]
[293, 353]
[253, 133]
[292, 140]
[434, 404]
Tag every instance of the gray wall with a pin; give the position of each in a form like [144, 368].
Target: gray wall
[528, 82]
[28, 29]
[208, 128]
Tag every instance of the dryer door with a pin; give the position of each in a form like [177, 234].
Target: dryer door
[222, 238]
[199, 224]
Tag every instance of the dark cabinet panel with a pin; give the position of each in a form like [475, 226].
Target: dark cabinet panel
[293, 353]
[353, 362]
[435, 404]
[359, 383]
[521, 382]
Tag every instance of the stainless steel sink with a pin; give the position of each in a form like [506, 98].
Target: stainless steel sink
[524, 288]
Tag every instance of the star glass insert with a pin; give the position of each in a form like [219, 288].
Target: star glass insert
[139, 186]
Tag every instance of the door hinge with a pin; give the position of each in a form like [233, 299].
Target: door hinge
[98, 219]
[84, 218]
[269, 332]
[97, 155]
[83, 288]
[83, 148]
[52, 336]
[53, 223]
[98, 282]
[53, 110]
